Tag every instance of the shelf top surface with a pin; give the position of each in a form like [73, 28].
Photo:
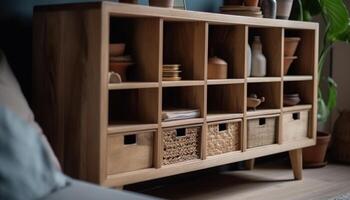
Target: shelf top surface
[123, 9]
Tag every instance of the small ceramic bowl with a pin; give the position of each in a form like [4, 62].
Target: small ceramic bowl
[291, 99]
[116, 49]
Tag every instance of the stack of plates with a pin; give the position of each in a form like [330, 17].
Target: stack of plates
[250, 11]
[171, 72]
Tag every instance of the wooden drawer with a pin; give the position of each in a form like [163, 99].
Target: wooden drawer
[262, 131]
[181, 144]
[223, 137]
[295, 125]
[129, 152]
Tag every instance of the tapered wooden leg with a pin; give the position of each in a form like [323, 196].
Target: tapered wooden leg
[249, 164]
[296, 159]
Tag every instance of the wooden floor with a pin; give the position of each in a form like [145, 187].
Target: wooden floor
[267, 181]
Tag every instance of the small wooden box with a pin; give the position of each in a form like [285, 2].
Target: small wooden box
[295, 125]
[223, 137]
[262, 131]
[129, 152]
[181, 144]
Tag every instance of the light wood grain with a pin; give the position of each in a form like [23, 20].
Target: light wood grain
[296, 159]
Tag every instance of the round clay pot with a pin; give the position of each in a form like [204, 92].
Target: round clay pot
[129, 1]
[217, 68]
[233, 2]
[290, 45]
[284, 7]
[315, 156]
[253, 3]
[116, 49]
[162, 3]
[120, 68]
[287, 63]
[291, 99]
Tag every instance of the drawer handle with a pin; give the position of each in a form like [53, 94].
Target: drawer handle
[262, 121]
[180, 132]
[296, 116]
[222, 127]
[129, 139]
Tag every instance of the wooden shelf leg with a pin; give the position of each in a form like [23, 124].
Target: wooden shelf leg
[249, 164]
[296, 159]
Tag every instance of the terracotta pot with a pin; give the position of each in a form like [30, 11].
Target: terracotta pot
[251, 3]
[116, 49]
[129, 1]
[284, 7]
[217, 68]
[162, 3]
[287, 63]
[315, 156]
[233, 2]
[290, 45]
[120, 68]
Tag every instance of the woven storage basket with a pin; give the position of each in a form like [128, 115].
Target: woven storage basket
[181, 144]
[261, 131]
[223, 137]
[340, 150]
[295, 125]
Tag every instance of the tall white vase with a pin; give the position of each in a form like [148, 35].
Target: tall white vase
[249, 61]
[258, 59]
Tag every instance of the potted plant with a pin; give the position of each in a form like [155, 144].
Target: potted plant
[336, 18]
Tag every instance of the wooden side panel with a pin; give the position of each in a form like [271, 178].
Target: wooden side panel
[67, 87]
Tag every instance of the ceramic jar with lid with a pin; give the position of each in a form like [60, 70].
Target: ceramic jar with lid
[217, 68]
[258, 59]
[249, 61]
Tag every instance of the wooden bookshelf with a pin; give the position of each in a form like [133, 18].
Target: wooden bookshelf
[86, 119]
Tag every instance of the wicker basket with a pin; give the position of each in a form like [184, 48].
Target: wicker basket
[340, 149]
[181, 144]
[295, 125]
[223, 137]
[261, 131]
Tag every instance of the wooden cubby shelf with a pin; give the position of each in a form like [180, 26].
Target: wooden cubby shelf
[118, 130]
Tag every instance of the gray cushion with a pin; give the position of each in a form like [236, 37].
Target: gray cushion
[77, 190]
[26, 168]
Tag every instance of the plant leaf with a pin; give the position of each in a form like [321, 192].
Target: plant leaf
[346, 35]
[332, 94]
[322, 111]
[312, 7]
[337, 18]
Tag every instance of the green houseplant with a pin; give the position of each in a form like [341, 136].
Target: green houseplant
[337, 29]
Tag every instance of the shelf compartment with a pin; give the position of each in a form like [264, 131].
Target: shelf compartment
[189, 97]
[297, 78]
[132, 109]
[263, 79]
[271, 92]
[225, 99]
[132, 85]
[223, 137]
[181, 83]
[184, 44]
[128, 152]
[142, 42]
[271, 39]
[305, 63]
[224, 81]
[305, 90]
[228, 43]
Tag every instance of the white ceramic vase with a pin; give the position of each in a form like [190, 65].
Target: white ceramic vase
[258, 59]
[249, 61]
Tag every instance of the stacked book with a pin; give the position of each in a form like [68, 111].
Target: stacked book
[250, 11]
